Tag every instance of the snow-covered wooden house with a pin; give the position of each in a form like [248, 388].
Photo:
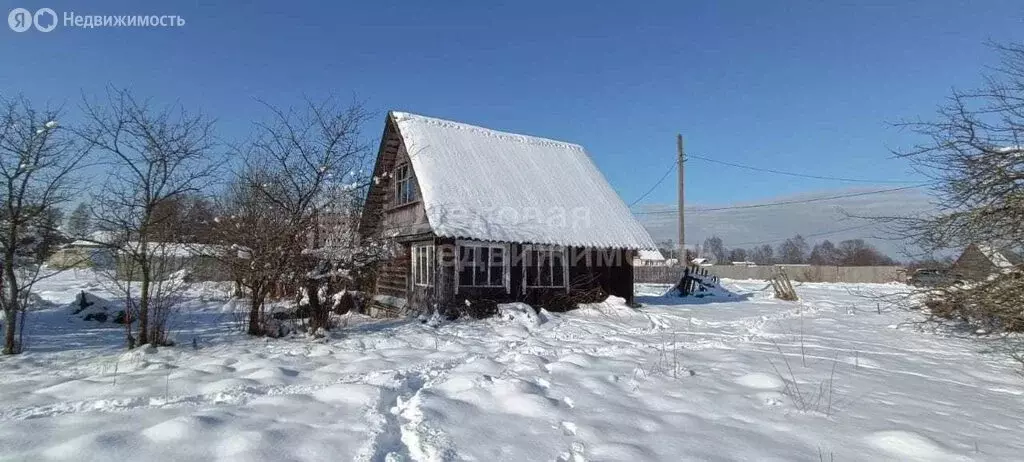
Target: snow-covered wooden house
[479, 214]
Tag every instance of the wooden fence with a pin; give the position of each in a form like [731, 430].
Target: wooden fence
[799, 273]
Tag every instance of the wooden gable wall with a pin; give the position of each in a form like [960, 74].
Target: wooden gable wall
[383, 217]
[381, 214]
[974, 264]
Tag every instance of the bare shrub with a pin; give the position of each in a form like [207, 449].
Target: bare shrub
[670, 362]
[993, 305]
[806, 398]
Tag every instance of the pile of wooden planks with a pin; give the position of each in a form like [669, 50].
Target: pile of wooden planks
[782, 285]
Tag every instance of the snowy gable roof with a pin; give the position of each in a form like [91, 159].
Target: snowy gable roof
[488, 185]
[1000, 258]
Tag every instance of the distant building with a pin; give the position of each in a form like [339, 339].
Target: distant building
[744, 263]
[197, 262]
[649, 258]
[100, 251]
[84, 253]
[979, 261]
[701, 261]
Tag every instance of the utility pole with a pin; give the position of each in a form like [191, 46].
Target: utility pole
[682, 219]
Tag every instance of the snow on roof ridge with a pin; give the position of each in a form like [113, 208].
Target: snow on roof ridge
[507, 136]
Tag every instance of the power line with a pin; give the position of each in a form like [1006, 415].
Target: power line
[790, 202]
[649, 191]
[801, 175]
[757, 169]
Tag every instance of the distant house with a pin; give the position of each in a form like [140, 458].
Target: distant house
[84, 253]
[979, 261]
[478, 214]
[197, 262]
[80, 254]
[649, 258]
[701, 261]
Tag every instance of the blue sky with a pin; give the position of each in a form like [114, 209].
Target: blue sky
[803, 86]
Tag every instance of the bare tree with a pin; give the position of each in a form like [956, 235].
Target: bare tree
[714, 248]
[763, 255]
[824, 253]
[304, 177]
[857, 252]
[257, 233]
[793, 250]
[78, 224]
[974, 153]
[38, 159]
[738, 255]
[341, 253]
[156, 155]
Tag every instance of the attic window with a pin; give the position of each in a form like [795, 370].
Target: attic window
[405, 188]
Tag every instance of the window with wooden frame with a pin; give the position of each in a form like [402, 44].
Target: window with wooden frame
[482, 264]
[405, 187]
[545, 267]
[423, 264]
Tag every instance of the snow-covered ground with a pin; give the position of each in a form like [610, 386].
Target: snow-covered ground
[670, 381]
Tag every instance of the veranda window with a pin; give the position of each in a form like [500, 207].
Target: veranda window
[545, 266]
[423, 264]
[482, 264]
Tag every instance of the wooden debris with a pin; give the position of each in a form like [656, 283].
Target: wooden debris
[782, 285]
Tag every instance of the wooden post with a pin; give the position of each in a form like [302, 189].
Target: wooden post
[682, 221]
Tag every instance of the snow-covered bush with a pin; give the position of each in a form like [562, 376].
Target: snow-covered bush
[521, 314]
[471, 308]
[348, 301]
